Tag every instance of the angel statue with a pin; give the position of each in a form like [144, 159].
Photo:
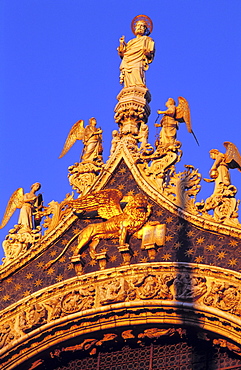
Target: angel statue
[30, 205]
[137, 54]
[223, 201]
[91, 137]
[171, 119]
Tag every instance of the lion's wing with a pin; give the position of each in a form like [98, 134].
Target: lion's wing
[105, 202]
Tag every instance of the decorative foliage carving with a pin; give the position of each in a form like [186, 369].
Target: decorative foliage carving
[82, 175]
[183, 187]
[17, 242]
[151, 286]
[58, 212]
[34, 316]
[114, 291]
[78, 300]
[224, 296]
[132, 111]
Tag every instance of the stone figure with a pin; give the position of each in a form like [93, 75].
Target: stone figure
[223, 201]
[143, 135]
[171, 119]
[91, 137]
[137, 54]
[115, 139]
[30, 205]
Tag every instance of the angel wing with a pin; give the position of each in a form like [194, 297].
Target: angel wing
[105, 202]
[183, 113]
[232, 155]
[16, 201]
[76, 133]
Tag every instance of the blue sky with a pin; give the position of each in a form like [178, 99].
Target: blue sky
[59, 64]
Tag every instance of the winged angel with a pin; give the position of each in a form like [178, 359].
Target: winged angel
[120, 223]
[30, 204]
[219, 171]
[91, 137]
[171, 119]
[223, 201]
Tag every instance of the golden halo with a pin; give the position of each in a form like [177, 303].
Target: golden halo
[145, 19]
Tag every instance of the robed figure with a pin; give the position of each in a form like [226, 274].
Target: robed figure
[137, 54]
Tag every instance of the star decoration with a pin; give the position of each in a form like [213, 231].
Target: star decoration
[6, 297]
[17, 287]
[233, 262]
[10, 280]
[59, 277]
[72, 248]
[166, 256]
[62, 259]
[135, 254]
[168, 238]
[179, 226]
[200, 240]
[26, 293]
[233, 243]
[76, 231]
[84, 254]
[104, 250]
[113, 258]
[122, 170]
[177, 245]
[120, 187]
[40, 265]
[190, 233]
[38, 282]
[53, 253]
[112, 181]
[64, 241]
[159, 213]
[144, 260]
[169, 219]
[29, 275]
[70, 266]
[211, 247]
[189, 252]
[92, 263]
[199, 259]
[131, 192]
[50, 271]
[221, 255]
